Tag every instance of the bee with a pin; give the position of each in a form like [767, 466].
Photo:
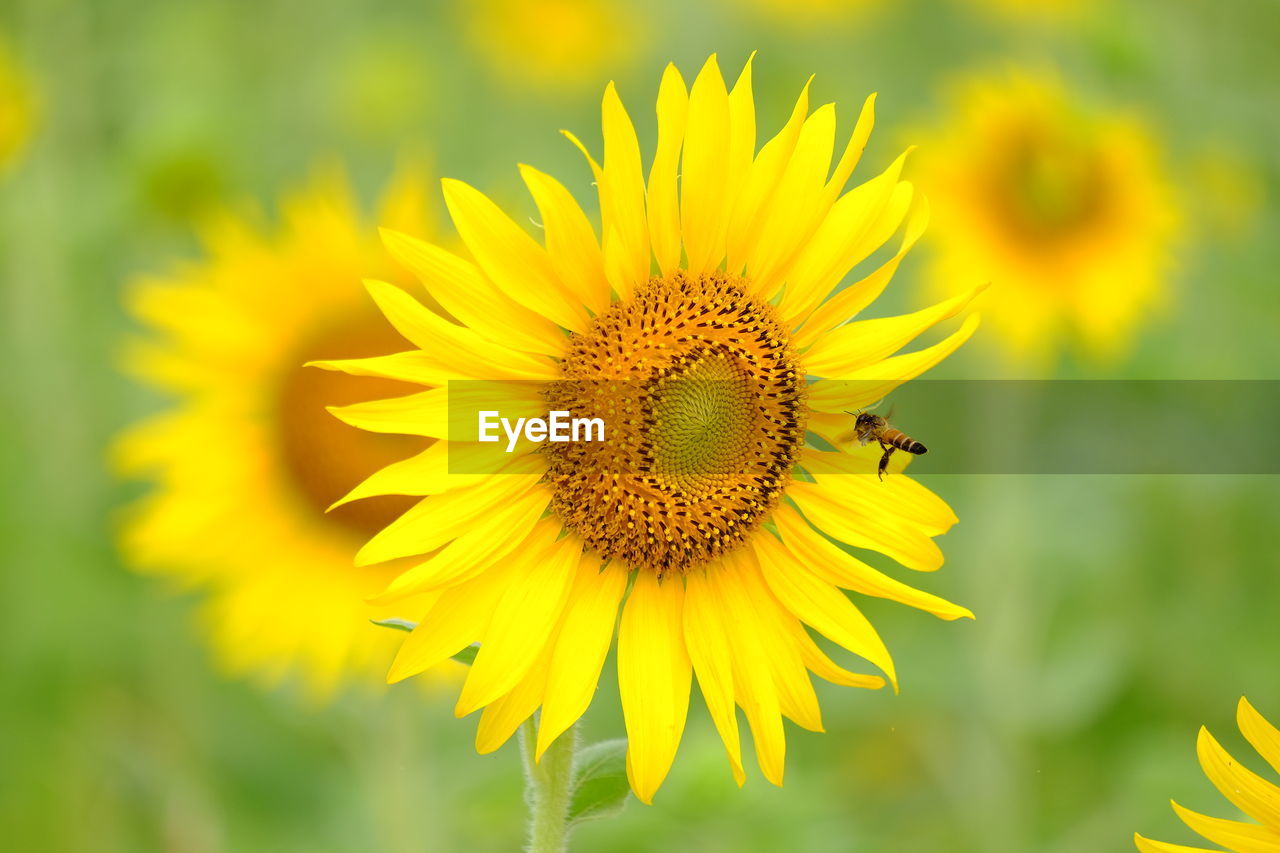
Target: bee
[868, 427]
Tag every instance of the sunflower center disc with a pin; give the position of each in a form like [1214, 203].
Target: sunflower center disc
[701, 397]
[323, 457]
[1051, 187]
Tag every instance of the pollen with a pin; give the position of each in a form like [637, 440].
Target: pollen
[702, 398]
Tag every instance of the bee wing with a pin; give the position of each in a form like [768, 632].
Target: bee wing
[853, 436]
[889, 415]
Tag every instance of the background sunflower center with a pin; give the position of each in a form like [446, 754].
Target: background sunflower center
[699, 390]
[323, 457]
[1052, 185]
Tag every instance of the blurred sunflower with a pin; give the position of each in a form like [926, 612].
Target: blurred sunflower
[248, 462]
[562, 44]
[1253, 795]
[1230, 191]
[17, 107]
[1048, 10]
[1067, 212]
[812, 14]
[691, 503]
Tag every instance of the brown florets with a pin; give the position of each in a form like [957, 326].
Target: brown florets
[701, 395]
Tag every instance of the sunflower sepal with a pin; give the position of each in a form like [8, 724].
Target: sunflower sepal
[395, 624]
[467, 656]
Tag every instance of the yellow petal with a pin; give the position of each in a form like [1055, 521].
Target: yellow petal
[434, 521]
[824, 667]
[596, 171]
[443, 412]
[460, 345]
[476, 301]
[426, 473]
[777, 628]
[406, 204]
[875, 381]
[1262, 736]
[846, 235]
[413, 320]
[616, 263]
[852, 152]
[510, 257]
[819, 604]
[622, 193]
[851, 347]
[501, 718]
[165, 368]
[742, 132]
[871, 530]
[1250, 793]
[902, 201]
[425, 413]
[141, 449]
[586, 630]
[654, 678]
[828, 561]
[704, 171]
[712, 658]
[326, 208]
[663, 199]
[571, 241]
[457, 620]
[1231, 834]
[842, 307]
[793, 212]
[614, 247]
[488, 540]
[761, 182]
[853, 478]
[423, 368]
[753, 682]
[524, 617]
[1146, 845]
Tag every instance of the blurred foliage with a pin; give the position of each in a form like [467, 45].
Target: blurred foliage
[1116, 614]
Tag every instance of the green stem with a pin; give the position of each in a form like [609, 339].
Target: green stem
[548, 786]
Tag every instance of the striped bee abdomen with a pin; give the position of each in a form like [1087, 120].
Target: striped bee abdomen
[902, 441]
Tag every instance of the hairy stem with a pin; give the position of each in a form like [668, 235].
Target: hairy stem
[548, 786]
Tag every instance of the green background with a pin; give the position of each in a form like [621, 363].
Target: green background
[1116, 614]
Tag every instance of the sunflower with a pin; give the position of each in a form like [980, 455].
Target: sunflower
[17, 107]
[1253, 795]
[247, 463]
[1230, 191]
[812, 14]
[1052, 11]
[1065, 210]
[692, 325]
[556, 44]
